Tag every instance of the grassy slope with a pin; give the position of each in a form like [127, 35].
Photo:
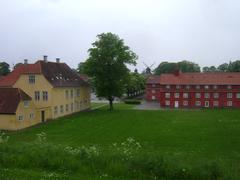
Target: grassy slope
[187, 136]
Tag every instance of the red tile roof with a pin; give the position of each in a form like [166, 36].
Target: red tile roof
[10, 98]
[58, 74]
[216, 78]
[153, 79]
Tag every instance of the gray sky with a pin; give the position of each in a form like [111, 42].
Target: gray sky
[204, 31]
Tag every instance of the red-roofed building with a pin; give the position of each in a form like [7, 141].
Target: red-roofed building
[55, 89]
[189, 90]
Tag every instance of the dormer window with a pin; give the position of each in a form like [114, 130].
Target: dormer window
[215, 87]
[206, 87]
[229, 87]
[31, 79]
[187, 87]
[167, 86]
[197, 87]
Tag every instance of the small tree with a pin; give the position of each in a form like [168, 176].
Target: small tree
[4, 68]
[107, 65]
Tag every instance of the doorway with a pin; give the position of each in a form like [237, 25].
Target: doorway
[176, 104]
[206, 103]
[43, 116]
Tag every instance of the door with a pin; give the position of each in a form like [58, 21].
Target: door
[206, 103]
[176, 104]
[43, 116]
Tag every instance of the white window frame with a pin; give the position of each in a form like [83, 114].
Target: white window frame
[66, 108]
[31, 115]
[61, 109]
[26, 104]
[206, 95]
[56, 110]
[185, 103]
[177, 95]
[66, 94]
[238, 95]
[229, 104]
[229, 87]
[197, 95]
[229, 95]
[45, 96]
[215, 103]
[167, 103]
[31, 79]
[153, 97]
[215, 87]
[185, 95]
[197, 86]
[20, 118]
[37, 95]
[168, 86]
[206, 87]
[198, 103]
[167, 95]
[215, 95]
[178, 86]
[187, 86]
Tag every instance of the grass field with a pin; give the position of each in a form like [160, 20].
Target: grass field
[128, 144]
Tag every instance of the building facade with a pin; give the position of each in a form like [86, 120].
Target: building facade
[195, 90]
[55, 89]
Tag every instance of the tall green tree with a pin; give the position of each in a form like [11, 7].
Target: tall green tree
[223, 67]
[209, 69]
[234, 66]
[81, 69]
[4, 68]
[107, 65]
[169, 67]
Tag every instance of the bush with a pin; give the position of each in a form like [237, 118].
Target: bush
[132, 101]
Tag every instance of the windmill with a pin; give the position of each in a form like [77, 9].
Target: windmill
[148, 68]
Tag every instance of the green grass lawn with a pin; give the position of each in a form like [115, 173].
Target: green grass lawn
[191, 141]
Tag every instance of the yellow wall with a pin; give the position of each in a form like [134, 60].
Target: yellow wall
[56, 96]
[11, 122]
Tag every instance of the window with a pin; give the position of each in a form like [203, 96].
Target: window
[71, 93]
[207, 95]
[197, 87]
[215, 103]
[178, 86]
[215, 87]
[66, 94]
[167, 103]
[198, 103]
[229, 95]
[229, 87]
[153, 85]
[37, 95]
[167, 86]
[176, 95]
[31, 115]
[185, 103]
[185, 95]
[61, 109]
[153, 97]
[72, 107]
[55, 110]
[206, 87]
[31, 79]
[187, 87]
[229, 103]
[167, 95]
[66, 107]
[215, 95]
[45, 95]
[198, 95]
[20, 117]
[26, 104]
[153, 90]
[238, 95]
[78, 92]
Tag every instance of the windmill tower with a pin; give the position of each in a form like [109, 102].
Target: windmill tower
[148, 70]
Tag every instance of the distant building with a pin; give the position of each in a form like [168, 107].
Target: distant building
[54, 88]
[195, 90]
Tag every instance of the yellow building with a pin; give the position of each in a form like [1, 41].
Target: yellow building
[56, 90]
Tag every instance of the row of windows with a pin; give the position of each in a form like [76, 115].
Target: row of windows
[21, 117]
[44, 95]
[196, 86]
[69, 93]
[198, 103]
[68, 107]
[198, 95]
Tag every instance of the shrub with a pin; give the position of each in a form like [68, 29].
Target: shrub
[132, 101]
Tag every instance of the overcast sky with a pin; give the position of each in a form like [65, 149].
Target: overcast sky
[204, 31]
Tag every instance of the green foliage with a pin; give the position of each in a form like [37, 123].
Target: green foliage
[234, 66]
[132, 101]
[4, 68]
[223, 67]
[209, 69]
[3, 137]
[82, 68]
[184, 66]
[107, 65]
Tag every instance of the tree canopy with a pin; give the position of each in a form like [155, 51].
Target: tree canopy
[169, 67]
[4, 68]
[107, 65]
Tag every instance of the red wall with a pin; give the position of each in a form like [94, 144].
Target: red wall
[222, 90]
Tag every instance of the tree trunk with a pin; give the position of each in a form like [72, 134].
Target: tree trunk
[110, 103]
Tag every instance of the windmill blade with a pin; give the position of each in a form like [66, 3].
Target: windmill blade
[152, 64]
[145, 64]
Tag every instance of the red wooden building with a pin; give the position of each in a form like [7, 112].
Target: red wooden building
[190, 90]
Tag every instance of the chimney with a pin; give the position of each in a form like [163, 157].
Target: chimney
[45, 58]
[25, 61]
[57, 60]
